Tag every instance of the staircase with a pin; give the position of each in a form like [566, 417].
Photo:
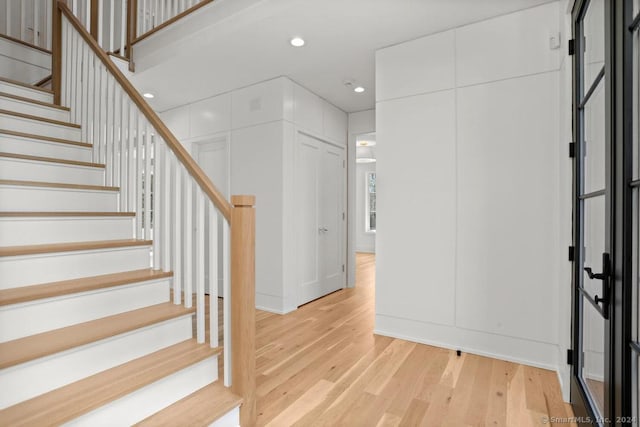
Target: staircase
[88, 334]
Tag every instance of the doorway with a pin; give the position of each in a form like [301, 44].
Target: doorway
[213, 156]
[321, 217]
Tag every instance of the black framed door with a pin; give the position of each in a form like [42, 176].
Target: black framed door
[592, 214]
[606, 276]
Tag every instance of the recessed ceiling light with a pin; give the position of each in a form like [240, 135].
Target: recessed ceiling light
[358, 89]
[365, 160]
[297, 42]
[366, 143]
[148, 95]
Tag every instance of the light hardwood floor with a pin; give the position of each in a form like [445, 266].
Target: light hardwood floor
[323, 366]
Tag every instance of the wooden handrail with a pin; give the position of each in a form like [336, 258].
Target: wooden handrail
[168, 22]
[181, 153]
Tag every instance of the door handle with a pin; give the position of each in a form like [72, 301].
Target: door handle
[323, 229]
[604, 276]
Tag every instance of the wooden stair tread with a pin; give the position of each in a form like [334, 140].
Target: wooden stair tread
[71, 246]
[27, 85]
[56, 185]
[51, 160]
[68, 402]
[32, 347]
[44, 138]
[85, 284]
[40, 119]
[63, 214]
[198, 409]
[34, 101]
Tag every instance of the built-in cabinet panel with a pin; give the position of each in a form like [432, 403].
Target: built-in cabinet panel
[470, 232]
[422, 65]
[256, 168]
[334, 123]
[512, 45]
[508, 207]
[308, 110]
[416, 201]
[259, 103]
[211, 115]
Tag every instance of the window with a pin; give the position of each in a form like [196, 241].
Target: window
[371, 202]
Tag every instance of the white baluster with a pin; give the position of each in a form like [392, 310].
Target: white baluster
[65, 63]
[131, 162]
[139, 154]
[47, 24]
[124, 138]
[166, 211]
[147, 181]
[158, 196]
[72, 77]
[177, 232]
[123, 25]
[117, 140]
[104, 77]
[87, 55]
[212, 222]
[188, 241]
[23, 20]
[74, 9]
[7, 17]
[100, 18]
[112, 28]
[200, 266]
[97, 75]
[226, 304]
[87, 16]
[36, 23]
[110, 134]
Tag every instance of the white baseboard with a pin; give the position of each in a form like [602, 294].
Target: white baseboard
[531, 353]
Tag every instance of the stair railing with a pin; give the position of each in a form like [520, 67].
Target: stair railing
[169, 192]
[28, 21]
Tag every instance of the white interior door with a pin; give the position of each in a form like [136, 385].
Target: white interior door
[320, 179]
[213, 157]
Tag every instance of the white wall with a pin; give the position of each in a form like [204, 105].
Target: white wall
[365, 240]
[471, 177]
[261, 122]
[22, 63]
[359, 123]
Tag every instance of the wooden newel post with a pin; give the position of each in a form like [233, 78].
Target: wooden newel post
[56, 52]
[243, 317]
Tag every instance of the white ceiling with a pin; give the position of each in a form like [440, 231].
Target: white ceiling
[341, 39]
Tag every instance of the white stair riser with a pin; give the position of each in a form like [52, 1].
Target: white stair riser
[37, 127]
[230, 419]
[21, 320]
[17, 231]
[29, 170]
[25, 107]
[26, 270]
[25, 92]
[148, 400]
[27, 380]
[37, 147]
[25, 198]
